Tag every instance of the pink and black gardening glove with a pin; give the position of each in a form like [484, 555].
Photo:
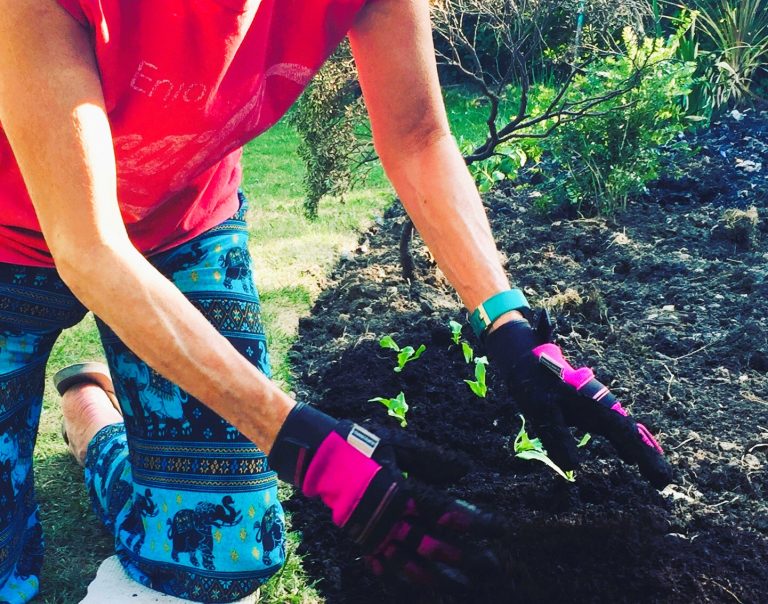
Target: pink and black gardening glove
[554, 396]
[404, 528]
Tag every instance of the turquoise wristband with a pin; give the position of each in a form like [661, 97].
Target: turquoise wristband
[495, 306]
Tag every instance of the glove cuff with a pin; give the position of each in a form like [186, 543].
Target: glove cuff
[340, 476]
[300, 436]
[508, 344]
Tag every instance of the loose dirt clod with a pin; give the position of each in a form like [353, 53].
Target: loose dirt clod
[568, 300]
[739, 226]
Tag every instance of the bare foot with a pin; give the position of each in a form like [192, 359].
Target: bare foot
[86, 409]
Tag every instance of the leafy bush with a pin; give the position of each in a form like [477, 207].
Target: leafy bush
[496, 40]
[604, 159]
[594, 164]
[630, 100]
[331, 120]
[699, 104]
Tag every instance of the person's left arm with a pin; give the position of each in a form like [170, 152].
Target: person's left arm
[392, 46]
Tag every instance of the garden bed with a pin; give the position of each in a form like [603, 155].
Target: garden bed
[668, 301]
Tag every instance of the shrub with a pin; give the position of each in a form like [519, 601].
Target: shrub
[331, 120]
[504, 41]
[604, 159]
[595, 163]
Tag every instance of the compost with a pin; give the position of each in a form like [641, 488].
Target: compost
[667, 300]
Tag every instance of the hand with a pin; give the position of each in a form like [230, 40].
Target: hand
[554, 395]
[403, 528]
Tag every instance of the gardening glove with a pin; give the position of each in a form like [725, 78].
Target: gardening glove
[554, 395]
[403, 528]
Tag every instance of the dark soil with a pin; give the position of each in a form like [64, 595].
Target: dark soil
[668, 301]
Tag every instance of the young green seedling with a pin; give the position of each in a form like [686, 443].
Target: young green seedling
[584, 440]
[455, 331]
[405, 354]
[531, 448]
[396, 407]
[469, 354]
[478, 386]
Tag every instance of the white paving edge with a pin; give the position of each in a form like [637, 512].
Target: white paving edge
[112, 584]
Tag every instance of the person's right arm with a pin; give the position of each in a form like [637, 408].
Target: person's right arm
[52, 110]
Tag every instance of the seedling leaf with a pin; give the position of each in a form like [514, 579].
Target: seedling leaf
[469, 354]
[396, 407]
[456, 328]
[479, 390]
[408, 354]
[403, 356]
[532, 449]
[389, 342]
[584, 440]
[544, 458]
[478, 386]
[524, 443]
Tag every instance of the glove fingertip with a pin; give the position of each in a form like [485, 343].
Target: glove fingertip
[658, 471]
[560, 446]
[427, 461]
[636, 445]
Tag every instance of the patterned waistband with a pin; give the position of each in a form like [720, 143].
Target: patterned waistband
[236, 467]
[32, 308]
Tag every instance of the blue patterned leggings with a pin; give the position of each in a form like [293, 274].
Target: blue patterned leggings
[191, 503]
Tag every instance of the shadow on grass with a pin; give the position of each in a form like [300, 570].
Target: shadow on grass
[75, 541]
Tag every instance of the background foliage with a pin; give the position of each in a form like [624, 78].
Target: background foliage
[600, 161]
[587, 92]
[331, 120]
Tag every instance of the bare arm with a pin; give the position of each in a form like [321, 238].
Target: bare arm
[392, 45]
[52, 110]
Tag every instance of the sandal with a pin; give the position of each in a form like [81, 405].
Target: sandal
[84, 373]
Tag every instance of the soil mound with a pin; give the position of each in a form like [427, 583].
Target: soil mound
[668, 300]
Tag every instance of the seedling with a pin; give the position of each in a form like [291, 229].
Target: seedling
[396, 407]
[478, 386]
[584, 440]
[405, 354]
[531, 448]
[455, 331]
[469, 354]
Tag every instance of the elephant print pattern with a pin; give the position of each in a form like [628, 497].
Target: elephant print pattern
[142, 507]
[192, 530]
[171, 461]
[160, 401]
[271, 532]
[35, 306]
[192, 503]
[12, 463]
[237, 267]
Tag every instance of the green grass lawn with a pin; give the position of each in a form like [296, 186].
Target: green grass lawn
[291, 255]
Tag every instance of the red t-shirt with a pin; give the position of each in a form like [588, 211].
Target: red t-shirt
[186, 84]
